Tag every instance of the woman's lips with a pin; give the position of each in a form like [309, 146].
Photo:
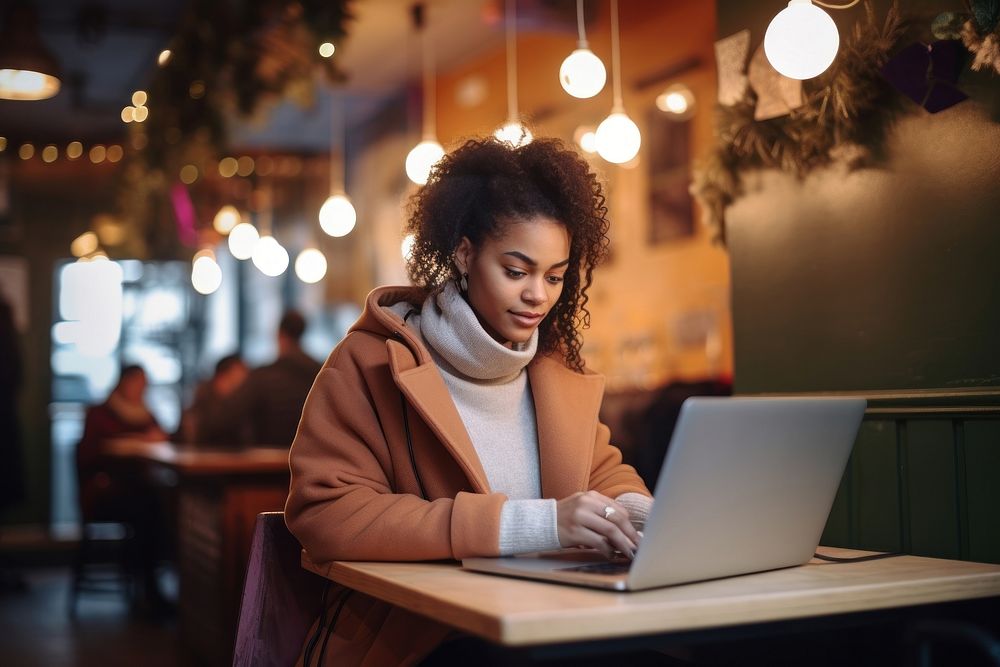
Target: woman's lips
[526, 319]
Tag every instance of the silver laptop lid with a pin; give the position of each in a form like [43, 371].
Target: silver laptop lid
[747, 485]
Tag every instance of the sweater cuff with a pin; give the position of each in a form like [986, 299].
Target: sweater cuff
[528, 525]
[638, 507]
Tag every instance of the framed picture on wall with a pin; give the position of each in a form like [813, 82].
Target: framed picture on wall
[670, 204]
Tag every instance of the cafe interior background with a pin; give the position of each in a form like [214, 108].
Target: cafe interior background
[834, 235]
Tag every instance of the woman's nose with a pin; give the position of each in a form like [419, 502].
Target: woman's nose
[534, 293]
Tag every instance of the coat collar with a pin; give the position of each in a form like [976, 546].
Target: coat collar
[566, 412]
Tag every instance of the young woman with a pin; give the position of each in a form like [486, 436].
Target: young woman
[456, 418]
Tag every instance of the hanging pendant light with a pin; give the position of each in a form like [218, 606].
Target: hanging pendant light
[268, 255]
[206, 274]
[242, 239]
[802, 40]
[513, 131]
[28, 71]
[617, 137]
[337, 216]
[422, 157]
[582, 74]
[226, 219]
[310, 265]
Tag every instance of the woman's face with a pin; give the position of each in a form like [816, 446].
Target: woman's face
[514, 281]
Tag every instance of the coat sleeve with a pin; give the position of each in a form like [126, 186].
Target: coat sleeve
[608, 475]
[341, 504]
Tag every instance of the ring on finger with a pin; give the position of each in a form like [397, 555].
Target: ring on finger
[608, 511]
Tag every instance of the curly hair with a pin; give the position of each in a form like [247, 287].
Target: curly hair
[478, 189]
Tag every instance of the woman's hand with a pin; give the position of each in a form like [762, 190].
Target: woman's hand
[593, 520]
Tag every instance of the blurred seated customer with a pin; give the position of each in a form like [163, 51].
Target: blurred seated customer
[269, 401]
[111, 489]
[230, 372]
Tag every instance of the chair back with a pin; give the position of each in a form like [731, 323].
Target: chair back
[280, 599]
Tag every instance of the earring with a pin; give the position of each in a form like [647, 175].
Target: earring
[463, 283]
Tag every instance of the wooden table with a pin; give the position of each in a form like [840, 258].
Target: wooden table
[219, 494]
[520, 613]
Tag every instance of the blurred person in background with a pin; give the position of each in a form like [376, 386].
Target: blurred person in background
[111, 489]
[269, 401]
[11, 469]
[196, 422]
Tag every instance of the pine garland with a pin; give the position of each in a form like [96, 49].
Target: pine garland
[846, 114]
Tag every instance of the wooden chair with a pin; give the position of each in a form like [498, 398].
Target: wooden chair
[280, 599]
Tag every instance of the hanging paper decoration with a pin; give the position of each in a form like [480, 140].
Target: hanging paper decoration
[777, 95]
[731, 59]
[928, 74]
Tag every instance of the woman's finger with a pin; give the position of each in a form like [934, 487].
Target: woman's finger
[616, 513]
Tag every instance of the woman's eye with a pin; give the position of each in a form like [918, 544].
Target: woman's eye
[555, 280]
[513, 273]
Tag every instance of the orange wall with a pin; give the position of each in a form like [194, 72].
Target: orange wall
[639, 296]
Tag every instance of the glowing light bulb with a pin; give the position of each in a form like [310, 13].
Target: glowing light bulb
[801, 41]
[310, 265]
[582, 74]
[421, 159]
[617, 138]
[206, 274]
[337, 216]
[270, 256]
[514, 133]
[242, 239]
[677, 101]
[227, 218]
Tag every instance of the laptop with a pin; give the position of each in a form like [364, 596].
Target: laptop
[747, 485]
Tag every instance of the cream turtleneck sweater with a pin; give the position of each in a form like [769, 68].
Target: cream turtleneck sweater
[491, 391]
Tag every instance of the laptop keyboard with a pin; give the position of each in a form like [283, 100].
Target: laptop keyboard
[599, 568]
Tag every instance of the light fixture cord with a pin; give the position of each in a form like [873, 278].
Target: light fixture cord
[616, 65]
[579, 24]
[338, 132]
[847, 6]
[334, 133]
[430, 101]
[266, 212]
[511, 61]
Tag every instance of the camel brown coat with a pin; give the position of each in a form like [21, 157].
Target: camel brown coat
[356, 494]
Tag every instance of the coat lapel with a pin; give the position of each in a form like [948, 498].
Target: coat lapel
[426, 391]
[566, 410]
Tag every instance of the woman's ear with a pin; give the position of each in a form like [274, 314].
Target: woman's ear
[464, 254]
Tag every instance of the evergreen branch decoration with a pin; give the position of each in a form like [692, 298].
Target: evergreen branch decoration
[981, 34]
[846, 115]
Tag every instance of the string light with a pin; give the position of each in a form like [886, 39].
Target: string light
[206, 274]
[422, 157]
[802, 40]
[617, 136]
[513, 130]
[242, 239]
[337, 216]
[270, 256]
[582, 74]
[677, 101]
[310, 266]
[226, 219]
